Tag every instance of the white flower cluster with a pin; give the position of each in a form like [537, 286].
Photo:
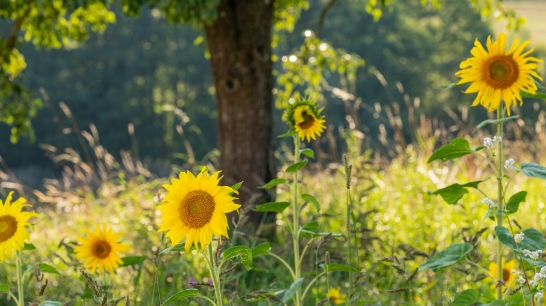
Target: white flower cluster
[488, 142]
[538, 296]
[488, 202]
[509, 164]
[532, 254]
[519, 237]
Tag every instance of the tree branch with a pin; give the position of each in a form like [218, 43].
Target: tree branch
[12, 39]
[323, 13]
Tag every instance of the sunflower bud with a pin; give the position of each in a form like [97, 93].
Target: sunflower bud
[304, 118]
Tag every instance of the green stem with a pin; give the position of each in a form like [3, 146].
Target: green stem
[206, 298]
[285, 263]
[19, 279]
[500, 207]
[349, 244]
[311, 283]
[305, 248]
[214, 276]
[482, 268]
[295, 214]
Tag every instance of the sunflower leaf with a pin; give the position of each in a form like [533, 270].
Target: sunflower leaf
[496, 121]
[456, 148]
[277, 207]
[45, 268]
[312, 199]
[290, 133]
[29, 247]
[4, 288]
[537, 95]
[533, 170]
[288, 294]
[177, 248]
[181, 295]
[467, 297]
[132, 260]
[237, 186]
[297, 166]
[532, 239]
[261, 249]
[448, 257]
[453, 193]
[244, 252]
[513, 204]
[273, 183]
[308, 152]
[449, 86]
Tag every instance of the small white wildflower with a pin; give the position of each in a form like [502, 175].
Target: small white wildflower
[519, 237]
[516, 272]
[487, 142]
[534, 255]
[543, 270]
[521, 280]
[533, 283]
[497, 138]
[509, 164]
[538, 296]
[488, 202]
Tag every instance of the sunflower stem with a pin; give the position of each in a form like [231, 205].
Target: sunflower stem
[295, 215]
[500, 204]
[214, 276]
[21, 301]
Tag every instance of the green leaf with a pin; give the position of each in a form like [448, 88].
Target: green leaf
[308, 152]
[273, 183]
[496, 121]
[466, 298]
[533, 170]
[51, 303]
[311, 230]
[261, 249]
[537, 95]
[181, 247]
[456, 148]
[532, 239]
[182, 295]
[448, 257]
[277, 207]
[132, 260]
[516, 299]
[449, 86]
[297, 166]
[4, 288]
[288, 134]
[453, 193]
[45, 268]
[513, 204]
[312, 199]
[333, 267]
[494, 303]
[244, 252]
[29, 247]
[288, 294]
[237, 186]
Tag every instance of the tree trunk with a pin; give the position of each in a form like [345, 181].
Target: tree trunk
[239, 42]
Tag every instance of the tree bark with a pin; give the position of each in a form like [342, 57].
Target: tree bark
[239, 42]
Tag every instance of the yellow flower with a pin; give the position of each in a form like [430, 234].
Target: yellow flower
[335, 296]
[507, 274]
[196, 208]
[497, 75]
[304, 118]
[12, 226]
[100, 250]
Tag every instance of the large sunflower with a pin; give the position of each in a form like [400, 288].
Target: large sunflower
[497, 75]
[12, 226]
[507, 276]
[304, 118]
[196, 208]
[100, 250]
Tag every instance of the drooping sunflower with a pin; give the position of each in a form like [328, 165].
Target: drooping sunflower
[195, 207]
[335, 296]
[12, 226]
[498, 75]
[100, 250]
[507, 276]
[304, 118]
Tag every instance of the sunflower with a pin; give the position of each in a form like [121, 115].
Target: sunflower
[335, 296]
[100, 250]
[507, 276]
[497, 75]
[304, 118]
[196, 208]
[12, 226]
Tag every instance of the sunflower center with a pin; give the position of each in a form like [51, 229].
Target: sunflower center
[500, 72]
[8, 227]
[196, 209]
[101, 249]
[505, 275]
[308, 121]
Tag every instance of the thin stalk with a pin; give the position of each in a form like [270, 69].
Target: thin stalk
[312, 282]
[206, 298]
[349, 245]
[500, 207]
[214, 276]
[295, 214]
[19, 279]
[482, 268]
[285, 263]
